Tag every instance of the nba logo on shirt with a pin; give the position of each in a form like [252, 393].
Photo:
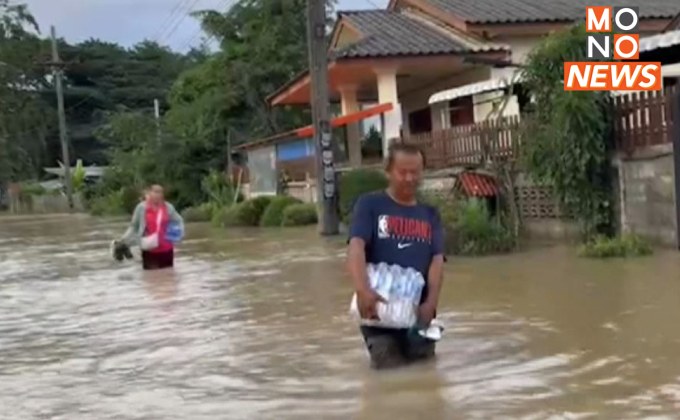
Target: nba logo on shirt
[383, 232]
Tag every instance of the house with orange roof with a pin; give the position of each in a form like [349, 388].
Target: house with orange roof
[436, 64]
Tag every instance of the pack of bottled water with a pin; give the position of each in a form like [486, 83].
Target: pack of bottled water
[401, 288]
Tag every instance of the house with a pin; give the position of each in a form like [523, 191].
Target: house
[664, 48]
[442, 63]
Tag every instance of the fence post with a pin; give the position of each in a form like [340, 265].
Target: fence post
[675, 133]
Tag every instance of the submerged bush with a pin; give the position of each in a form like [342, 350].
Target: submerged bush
[200, 213]
[257, 207]
[355, 183]
[477, 233]
[107, 205]
[228, 216]
[470, 227]
[273, 214]
[628, 245]
[299, 215]
[114, 203]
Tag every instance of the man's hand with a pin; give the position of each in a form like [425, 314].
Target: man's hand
[426, 313]
[367, 299]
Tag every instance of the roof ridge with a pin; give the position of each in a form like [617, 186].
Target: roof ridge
[358, 11]
[470, 41]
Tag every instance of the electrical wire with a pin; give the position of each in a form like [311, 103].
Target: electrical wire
[225, 5]
[168, 20]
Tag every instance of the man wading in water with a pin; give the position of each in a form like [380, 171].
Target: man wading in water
[153, 216]
[394, 228]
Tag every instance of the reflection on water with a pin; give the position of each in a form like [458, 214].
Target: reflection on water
[253, 324]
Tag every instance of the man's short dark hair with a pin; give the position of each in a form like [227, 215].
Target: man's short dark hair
[408, 149]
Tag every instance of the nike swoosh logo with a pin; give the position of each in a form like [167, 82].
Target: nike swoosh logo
[402, 246]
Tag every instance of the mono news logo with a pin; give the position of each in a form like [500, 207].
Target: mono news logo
[612, 35]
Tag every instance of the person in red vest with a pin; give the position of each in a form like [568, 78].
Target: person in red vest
[149, 227]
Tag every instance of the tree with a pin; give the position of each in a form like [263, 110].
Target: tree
[568, 143]
[25, 118]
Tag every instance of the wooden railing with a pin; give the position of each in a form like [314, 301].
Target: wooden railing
[643, 119]
[469, 145]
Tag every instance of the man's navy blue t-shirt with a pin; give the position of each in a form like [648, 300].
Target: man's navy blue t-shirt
[409, 236]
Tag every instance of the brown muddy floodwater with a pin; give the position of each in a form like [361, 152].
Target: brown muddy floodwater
[254, 325]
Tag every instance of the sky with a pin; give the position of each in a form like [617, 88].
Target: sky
[130, 21]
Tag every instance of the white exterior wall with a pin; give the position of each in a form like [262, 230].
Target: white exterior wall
[417, 100]
[484, 104]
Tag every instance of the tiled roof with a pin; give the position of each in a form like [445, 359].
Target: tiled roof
[390, 33]
[514, 11]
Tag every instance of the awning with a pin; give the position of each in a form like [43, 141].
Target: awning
[477, 185]
[665, 40]
[467, 90]
[308, 131]
[670, 70]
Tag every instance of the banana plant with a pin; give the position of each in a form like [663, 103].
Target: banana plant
[77, 175]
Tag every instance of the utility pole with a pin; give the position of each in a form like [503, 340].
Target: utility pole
[157, 115]
[57, 73]
[318, 67]
[230, 162]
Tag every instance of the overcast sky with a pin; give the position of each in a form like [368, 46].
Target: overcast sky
[130, 21]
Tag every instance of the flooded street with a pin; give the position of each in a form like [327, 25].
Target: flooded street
[254, 325]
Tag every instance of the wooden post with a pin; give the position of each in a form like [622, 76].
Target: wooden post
[318, 68]
[675, 107]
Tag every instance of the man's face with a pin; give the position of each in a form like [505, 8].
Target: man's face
[156, 193]
[405, 173]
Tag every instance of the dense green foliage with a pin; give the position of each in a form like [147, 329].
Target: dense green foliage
[99, 78]
[470, 228]
[299, 215]
[355, 183]
[209, 100]
[200, 213]
[567, 143]
[247, 213]
[26, 118]
[619, 246]
[273, 214]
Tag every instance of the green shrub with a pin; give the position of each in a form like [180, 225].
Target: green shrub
[355, 183]
[130, 198]
[200, 213]
[299, 215]
[628, 245]
[114, 203]
[470, 228]
[110, 204]
[257, 207]
[32, 188]
[228, 216]
[273, 214]
[477, 233]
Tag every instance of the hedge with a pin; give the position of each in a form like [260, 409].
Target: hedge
[355, 183]
[273, 215]
[299, 215]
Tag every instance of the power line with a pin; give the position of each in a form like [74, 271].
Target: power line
[224, 6]
[181, 19]
[171, 17]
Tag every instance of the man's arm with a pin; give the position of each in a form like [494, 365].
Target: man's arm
[435, 271]
[130, 235]
[356, 264]
[360, 235]
[434, 280]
